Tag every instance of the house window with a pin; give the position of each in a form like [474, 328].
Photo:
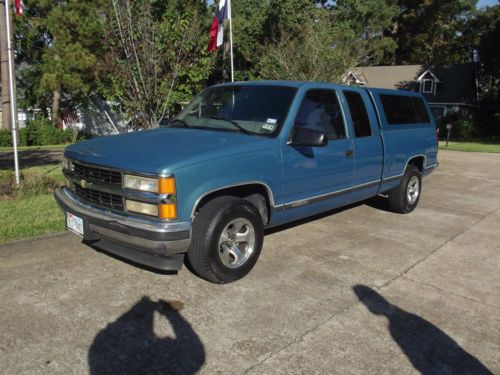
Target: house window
[427, 86]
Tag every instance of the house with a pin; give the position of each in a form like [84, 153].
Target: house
[447, 88]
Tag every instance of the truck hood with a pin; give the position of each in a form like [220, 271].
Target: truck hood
[163, 150]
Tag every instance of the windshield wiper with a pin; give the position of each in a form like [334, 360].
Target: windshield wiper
[238, 126]
[182, 123]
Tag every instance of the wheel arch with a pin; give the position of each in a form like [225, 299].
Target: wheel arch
[418, 161]
[256, 192]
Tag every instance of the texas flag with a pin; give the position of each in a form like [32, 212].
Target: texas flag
[217, 28]
[19, 7]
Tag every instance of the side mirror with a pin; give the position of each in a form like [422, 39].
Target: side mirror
[308, 137]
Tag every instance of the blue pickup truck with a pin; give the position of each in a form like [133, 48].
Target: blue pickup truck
[240, 158]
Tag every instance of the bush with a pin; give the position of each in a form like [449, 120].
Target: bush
[5, 138]
[463, 127]
[41, 132]
[38, 132]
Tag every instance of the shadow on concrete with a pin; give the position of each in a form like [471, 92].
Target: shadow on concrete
[378, 202]
[130, 345]
[429, 349]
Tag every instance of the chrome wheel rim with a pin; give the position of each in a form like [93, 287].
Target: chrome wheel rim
[413, 190]
[236, 243]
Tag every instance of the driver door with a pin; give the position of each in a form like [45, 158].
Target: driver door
[313, 174]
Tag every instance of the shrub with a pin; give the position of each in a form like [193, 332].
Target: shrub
[463, 127]
[5, 138]
[40, 132]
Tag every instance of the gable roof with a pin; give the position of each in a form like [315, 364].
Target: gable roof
[455, 83]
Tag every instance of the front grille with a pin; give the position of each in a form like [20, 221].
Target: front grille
[91, 174]
[100, 198]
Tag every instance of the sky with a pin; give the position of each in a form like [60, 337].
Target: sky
[483, 3]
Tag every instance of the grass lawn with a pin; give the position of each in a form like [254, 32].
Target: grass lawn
[471, 146]
[35, 148]
[32, 210]
[29, 216]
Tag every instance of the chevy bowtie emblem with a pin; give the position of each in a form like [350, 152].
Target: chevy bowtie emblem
[85, 184]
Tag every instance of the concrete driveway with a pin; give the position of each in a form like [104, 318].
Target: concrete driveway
[359, 291]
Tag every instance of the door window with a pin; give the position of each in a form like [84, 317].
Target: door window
[320, 111]
[359, 116]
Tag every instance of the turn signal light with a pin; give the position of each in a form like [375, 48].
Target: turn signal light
[166, 185]
[168, 211]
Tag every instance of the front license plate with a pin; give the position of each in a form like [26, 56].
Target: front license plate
[74, 223]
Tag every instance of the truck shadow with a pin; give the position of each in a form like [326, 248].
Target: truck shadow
[130, 344]
[429, 349]
[378, 202]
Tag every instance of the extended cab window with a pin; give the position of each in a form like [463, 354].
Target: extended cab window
[359, 116]
[320, 110]
[403, 109]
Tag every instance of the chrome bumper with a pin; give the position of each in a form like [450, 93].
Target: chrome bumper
[152, 243]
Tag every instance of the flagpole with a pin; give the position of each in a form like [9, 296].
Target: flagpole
[11, 89]
[229, 16]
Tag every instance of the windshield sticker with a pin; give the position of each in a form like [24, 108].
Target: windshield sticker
[269, 127]
[271, 121]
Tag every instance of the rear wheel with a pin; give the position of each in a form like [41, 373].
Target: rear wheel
[227, 239]
[404, 198]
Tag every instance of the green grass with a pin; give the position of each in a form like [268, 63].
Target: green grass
[29, 216]
[471, 146]
[30, 210]
[35, 148]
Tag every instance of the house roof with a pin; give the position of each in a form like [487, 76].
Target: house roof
[456, 83]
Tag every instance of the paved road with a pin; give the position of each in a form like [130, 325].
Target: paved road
[30, 158]
[360, 291]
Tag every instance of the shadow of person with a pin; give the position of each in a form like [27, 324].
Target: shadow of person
[430, 350]
[130, 344]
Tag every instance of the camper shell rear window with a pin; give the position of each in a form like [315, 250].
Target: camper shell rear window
[404, 109]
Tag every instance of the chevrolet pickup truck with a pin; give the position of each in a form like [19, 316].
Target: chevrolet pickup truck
[241, 158]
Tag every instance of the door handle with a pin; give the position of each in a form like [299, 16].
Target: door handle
[349, 153]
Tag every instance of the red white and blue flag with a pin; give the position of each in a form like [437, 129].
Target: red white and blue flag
[19, 7]
[217, 28]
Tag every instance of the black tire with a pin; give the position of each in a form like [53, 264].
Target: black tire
[208, 258]
[400, 200]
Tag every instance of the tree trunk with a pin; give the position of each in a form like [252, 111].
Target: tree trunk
[4, 68]
[56, 100]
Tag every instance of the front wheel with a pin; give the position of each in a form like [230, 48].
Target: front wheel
[227, 239]
[404, 198]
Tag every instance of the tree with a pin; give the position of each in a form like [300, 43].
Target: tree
[322, 49]
[488, 27]
[61, 43]
[431, 31]
[156, 56]
[372, 21]
[249, 18]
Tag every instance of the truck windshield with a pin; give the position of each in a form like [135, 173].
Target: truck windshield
[258, 109]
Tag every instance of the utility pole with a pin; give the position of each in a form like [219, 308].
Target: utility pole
[10, 59]
[4, 69]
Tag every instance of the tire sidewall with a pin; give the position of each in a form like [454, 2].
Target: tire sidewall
[408, 207]
[242, 209]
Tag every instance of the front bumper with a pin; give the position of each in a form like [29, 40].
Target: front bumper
[155, 244]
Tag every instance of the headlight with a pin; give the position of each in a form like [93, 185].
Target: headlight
[163, 185]
[142, 208]
[67, 164]
[141, 183]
